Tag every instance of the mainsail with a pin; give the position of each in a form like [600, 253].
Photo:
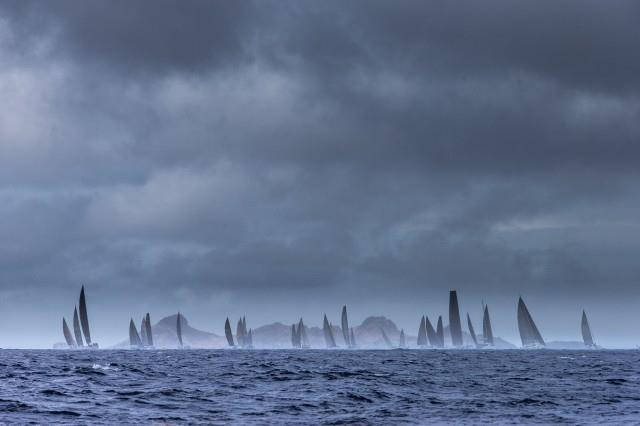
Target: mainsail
[67, 334]
[487, 332]
[345, 327]
[77, 331]
[422, 333]
[134, 337]
[587, 337]
[353, 339]
[440, 333]
[179, 329]
[403, 343]
[431, 334]
[471, 331]
[147, 324]
[228, 333]
[250, 339]
[455, 327]
[84, 318]
[529, 333]
[328, 333]
[386, 338]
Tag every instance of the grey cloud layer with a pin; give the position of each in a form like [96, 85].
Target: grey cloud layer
[362, 149]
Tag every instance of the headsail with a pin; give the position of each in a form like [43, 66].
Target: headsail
[487, 332]
[302, 331]
[67, 334]
[143, 331]
[240, 333]
[353, 339]
[250, 339]
[440, 333]
[228, 333]
[328, 333]
[295, 337]
[345, 327]
[147, 324]
[403, 343]
[77, 331]
[84, 318]
[386, 339]
[587, 337]
[455, 327]
[422, 333]
[529, 333]
[471, 331]
[134, 337]
[431, 334]
[179, 329]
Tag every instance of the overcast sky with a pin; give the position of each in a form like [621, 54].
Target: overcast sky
[282, 158]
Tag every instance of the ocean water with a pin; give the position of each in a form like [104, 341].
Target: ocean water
[319, 387]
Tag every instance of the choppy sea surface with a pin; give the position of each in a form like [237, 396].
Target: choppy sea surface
[319, 387]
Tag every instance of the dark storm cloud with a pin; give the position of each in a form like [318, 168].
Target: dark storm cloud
[190, 152]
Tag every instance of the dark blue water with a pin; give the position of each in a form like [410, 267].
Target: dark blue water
[319, 387]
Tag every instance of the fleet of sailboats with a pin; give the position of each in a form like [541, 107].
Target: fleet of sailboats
[428, 336]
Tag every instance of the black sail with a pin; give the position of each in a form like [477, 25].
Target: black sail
[529, 333]
[294, 337]
[228, 334]
[134, 337]
[471, 331]
[84, 318]
[353, 339]
[431, 333]
[487, 332]
[455, 327]
[179, 329]
[67, 334]
[403, 342]
[77, 331]
[329, 340]
[302, 331]
[586, 331]
[147, 324]
[440, 333]
[422, 333]
[345, 327]
[250, 339]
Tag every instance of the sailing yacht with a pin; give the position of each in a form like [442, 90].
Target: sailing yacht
[587, 337]
[529, 334]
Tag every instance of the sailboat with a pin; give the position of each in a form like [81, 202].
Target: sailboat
[471, 331]
[440, 333]
[329, 340]
[345, 327]
[67, 334]
[529, 334]
[295, 337]
[134, 337]
[422, 333]
[228, 334]
[386, 339]
[455, 327]
[434, 341]
[84, 320]
[179, 329]
[147, 324]
[587, 337]
[403, 342]
[77, 331]
[302, 331]
[143, 331]
[487, 332]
